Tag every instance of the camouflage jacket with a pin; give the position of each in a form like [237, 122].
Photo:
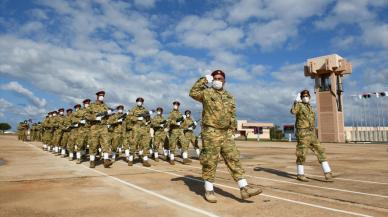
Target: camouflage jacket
[77, 116]
[219, 108]
[115, 126]
[55, 122]
[46, 124]
[305, 116]
[66, 125]
[59, 122]
[156, 122]
[136, 112]
[93, 110]
[189, 122]
[128, 122]
[172, 119]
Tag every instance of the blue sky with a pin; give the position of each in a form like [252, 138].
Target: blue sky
[55, 53]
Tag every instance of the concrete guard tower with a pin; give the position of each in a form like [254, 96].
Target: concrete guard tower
[328, 72]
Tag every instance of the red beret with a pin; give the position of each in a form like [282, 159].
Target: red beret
[78, 105]
[176, 103]
[140, 99]
[218, 72]
[86, 101]
[101, 92]
[69, 110]
[120, 106]
[61, 109]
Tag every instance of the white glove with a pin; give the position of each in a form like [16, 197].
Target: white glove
[190, 128]
[108, 126]
[162, 125]
[82, 122]
[75, 125]
[166, 129]
[178, 123]
[140, 118]
[209, 78]
[297, 98]
[120, 120]
[109, 112]
[184, 116]
[151, 112]
[195, 123]
[98, 118]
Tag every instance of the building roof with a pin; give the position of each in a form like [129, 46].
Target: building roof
[257, 124]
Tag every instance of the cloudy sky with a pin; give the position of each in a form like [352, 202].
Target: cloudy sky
[55, 53]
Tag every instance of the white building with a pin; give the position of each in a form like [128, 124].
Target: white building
[253, 130]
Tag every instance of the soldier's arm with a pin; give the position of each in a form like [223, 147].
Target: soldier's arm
[233, 120]
[295, 108]
[196, 91]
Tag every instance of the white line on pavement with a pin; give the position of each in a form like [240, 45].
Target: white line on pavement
[201, 211]
[266, 195]
[301, 184]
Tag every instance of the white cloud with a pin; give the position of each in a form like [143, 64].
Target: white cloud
[18, 88]
[4, 106]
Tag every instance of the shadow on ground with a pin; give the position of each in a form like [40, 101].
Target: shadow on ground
[197, 187]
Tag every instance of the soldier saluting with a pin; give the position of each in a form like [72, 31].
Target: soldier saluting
[306, 137]
[218, 125]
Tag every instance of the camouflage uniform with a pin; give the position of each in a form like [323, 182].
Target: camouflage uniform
[305, 133]
[66, 128]
[176, 132]
[218, 124]
[47, 132]
[141, 130]
[127, 133]
[116, 130]
[58, 126]
[160, 134]
[98, 134]
[81, 133]
[189, 125]
[24, 133]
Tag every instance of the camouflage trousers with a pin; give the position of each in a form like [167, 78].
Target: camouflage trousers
[117, 140]
[99, 136]
[141, 139]
[191, 138]
[216, 142]
[72, 140]
[306, 139]
[65, 139]
[159, 139]
[177, 136]
[81, 138]
[57, 136]
[128, 139]
[47, 137]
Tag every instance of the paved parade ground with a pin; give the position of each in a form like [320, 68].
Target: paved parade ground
[37, 183]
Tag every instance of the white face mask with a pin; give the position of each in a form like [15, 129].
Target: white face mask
[217, 84]
[188, 115]
[77, 109]
[139, 103]
[159, 113]
[50, 116]
[54, 114]
[101, 98]
[306, 99]
[86, 105]
[175, 107]
[61, 113]
[120, 111]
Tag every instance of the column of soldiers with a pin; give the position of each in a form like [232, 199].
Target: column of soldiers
[104, 133]
[22, 130]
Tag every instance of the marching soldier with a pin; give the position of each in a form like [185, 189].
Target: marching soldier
[306, 137]
[58, 124]
[66, 129]
[140, 118]
[175, 120]
[97, 114]
[218, 124]
[83, 130]
[159, 124]
[115, 123]
[46, 131]
[189, 126]
[25, 129]
[73, 132]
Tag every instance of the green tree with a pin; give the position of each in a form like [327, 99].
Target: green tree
[4, 127]
[276, 133]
